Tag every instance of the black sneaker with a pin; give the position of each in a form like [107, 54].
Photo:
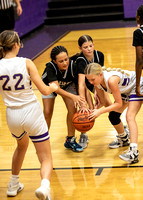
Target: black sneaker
[73, 145]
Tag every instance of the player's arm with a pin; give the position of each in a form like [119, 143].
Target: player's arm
[89, 98]
[82, 89]
[113, 85]
[76, 98]
[19, 8]
[103, 97]
[138, 68]
[35, 77]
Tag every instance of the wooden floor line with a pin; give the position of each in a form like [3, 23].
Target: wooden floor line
[69, 168]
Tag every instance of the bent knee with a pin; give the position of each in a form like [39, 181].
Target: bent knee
[114, 118]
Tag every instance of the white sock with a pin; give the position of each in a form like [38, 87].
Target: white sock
[84, 133]
[45, 182]
[134, 145]
[14, 179]
[122, 134]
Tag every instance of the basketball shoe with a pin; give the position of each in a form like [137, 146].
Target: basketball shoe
[43, 193]
[12, 190]
[72, 144]
[83, 140]
[131, 155]
[120, 142]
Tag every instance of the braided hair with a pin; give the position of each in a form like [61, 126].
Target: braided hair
[56, 51]
[96, 69]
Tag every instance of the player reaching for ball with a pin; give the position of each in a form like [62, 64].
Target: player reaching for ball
[87, 55]
[24, 113]
[62, 71]
[122, 85]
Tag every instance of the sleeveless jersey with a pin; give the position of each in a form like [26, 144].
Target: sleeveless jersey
[15, 82]
[138, 37]
[82, 62]
[64, 78]
[126, 84]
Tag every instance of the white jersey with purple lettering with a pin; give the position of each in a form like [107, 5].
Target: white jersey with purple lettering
[126, 85]
[24, 113]
[15, 82]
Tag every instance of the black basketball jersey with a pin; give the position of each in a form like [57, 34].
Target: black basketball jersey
[64, 78]
[82, 62]
[138, 37]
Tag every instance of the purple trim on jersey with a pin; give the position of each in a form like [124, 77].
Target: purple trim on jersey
[134, 97]
[19, 136]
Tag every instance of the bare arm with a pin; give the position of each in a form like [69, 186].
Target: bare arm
[113, 84]
[76, 98]
[138, 68]
[19, 8]
[81, 85]
[89, 98]
[35, 77]
[82, 89]
[103, 97]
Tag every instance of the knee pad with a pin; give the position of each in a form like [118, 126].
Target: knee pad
[114, 117]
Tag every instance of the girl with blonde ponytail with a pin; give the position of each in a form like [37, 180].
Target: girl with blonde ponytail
[121, 84]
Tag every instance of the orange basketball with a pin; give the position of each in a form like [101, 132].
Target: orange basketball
[81, 122]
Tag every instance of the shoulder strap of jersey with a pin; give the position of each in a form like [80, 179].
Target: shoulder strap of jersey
[140, 30]
[97, 56]
[72, 63]
[83, 59]
[53, 66]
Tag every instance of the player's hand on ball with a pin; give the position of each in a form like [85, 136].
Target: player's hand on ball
[94, 114]
[77, 100]
[83, 110]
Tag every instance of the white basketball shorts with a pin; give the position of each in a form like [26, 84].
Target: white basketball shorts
[27, 119]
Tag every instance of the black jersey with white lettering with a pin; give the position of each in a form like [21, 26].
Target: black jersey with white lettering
[82, 62]
[64, 78]
[138, 37]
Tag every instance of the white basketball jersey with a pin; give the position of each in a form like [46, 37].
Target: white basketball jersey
[15, 82]
[127, 80]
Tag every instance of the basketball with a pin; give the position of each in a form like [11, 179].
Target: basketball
[81, 122]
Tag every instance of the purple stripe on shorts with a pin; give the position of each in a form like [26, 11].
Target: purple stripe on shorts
[19, 136]
[39, 136]
[41, 140]
[134, 97]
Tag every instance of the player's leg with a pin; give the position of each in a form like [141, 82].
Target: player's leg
[71, 140]
[38, 133]
[48, 107]
[123, 134]
[14, 185]
[132, 155]
[43, 151]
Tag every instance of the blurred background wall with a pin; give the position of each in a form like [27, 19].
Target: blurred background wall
[35, 12]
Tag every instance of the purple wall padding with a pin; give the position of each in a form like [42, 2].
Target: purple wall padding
[130, 7]
[34, 13]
